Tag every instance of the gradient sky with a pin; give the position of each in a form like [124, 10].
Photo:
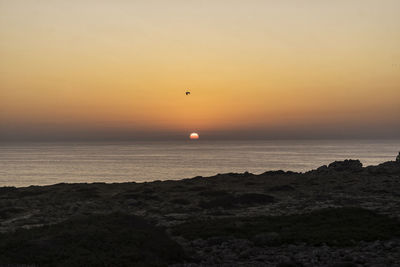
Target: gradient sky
[257, 69]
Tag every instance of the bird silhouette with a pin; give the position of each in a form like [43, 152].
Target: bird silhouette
[187, 93]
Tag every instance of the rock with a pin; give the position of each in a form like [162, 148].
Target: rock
[265, 239]
[346, 165]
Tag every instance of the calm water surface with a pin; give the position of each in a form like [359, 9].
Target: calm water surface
[26, 164]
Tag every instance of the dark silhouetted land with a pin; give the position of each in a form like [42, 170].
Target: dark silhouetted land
[342, 214]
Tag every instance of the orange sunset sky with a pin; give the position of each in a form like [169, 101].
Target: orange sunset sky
[256, 69]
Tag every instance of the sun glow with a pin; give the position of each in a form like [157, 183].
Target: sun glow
[194, 136]
[121, 69]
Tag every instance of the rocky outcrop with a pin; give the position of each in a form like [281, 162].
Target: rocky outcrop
[346, 165]
[390, 167]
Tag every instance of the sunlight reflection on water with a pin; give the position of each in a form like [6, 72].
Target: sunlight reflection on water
[49, 163]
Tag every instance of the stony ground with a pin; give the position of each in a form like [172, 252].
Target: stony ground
[170, 204]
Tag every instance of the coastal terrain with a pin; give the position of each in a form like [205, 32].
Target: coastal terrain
[341, 214]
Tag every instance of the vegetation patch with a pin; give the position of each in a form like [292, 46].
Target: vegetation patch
[96, 240]
[213, 193]
[8, 212]
[198, 188]
[7, 189]
[226, 202]
[180, 201]
[281, 188]
[250, 199]
[31, 191]
[229, 201]
[85, 192]
[337, 227]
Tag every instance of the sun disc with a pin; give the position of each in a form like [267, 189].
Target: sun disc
[194, 136]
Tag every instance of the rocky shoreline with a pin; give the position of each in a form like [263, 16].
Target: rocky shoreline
[342, 214]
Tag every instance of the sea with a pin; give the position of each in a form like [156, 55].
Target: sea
[25, 164]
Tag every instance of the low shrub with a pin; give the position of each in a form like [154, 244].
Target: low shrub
[96, 240]
[339, 227]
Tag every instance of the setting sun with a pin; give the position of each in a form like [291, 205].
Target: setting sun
[194, 136]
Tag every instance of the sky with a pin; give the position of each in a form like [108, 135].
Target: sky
[118, 70]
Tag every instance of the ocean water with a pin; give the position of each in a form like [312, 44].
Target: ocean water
[24, 164]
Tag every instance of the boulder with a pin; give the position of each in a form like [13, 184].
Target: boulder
[346, 165]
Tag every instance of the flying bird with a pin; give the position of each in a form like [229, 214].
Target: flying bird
[187, 93]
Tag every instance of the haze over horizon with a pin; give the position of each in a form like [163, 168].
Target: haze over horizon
[118, 70]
